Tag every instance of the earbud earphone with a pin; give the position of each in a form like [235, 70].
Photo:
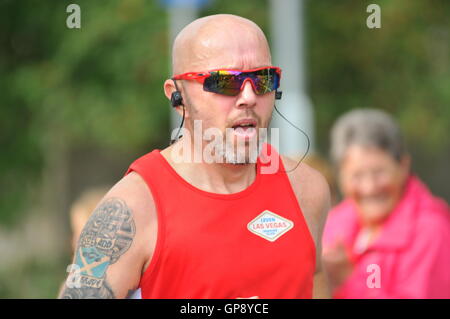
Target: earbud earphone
[278, 95]
[176, 99]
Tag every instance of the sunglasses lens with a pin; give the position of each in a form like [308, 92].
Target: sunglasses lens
[223, 82]
[266, 80]
[228, 82]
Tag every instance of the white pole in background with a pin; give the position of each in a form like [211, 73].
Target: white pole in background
[287, 39]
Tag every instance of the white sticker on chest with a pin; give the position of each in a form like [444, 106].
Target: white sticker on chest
[269, 225]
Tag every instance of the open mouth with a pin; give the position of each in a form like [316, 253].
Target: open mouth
[245, 128]
[244, 124]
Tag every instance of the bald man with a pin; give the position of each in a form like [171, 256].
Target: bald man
[182, 224]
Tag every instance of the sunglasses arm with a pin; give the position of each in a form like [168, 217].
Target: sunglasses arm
[199, 77]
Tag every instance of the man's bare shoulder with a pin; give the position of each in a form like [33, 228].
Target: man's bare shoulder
[308, 183]
[134, 191]
[312, 192]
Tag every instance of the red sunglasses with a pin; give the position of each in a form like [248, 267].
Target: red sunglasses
[231, 82]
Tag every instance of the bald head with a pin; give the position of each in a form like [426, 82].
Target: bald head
[220, 41]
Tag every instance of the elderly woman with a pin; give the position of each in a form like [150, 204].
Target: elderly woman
[390, 236]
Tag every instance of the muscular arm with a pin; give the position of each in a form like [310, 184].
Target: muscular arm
[313, 194]
[107, 236]
[321, 286]
[113, 247]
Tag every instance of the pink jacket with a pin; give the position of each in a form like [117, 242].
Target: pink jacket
[411, 253]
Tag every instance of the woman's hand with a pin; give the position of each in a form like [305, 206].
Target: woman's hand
[337, 263]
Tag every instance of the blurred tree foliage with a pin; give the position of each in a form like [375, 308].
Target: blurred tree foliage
[102, 84]
[35, 278]
[403, 67]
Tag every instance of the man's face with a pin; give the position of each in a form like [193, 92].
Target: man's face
[244, 114]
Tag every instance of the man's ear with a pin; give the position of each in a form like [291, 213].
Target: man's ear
[169, 88]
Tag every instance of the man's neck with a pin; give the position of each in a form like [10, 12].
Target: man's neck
[220, 178]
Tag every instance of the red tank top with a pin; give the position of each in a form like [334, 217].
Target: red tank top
[251, 243]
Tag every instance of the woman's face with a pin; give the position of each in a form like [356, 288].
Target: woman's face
[374, 180]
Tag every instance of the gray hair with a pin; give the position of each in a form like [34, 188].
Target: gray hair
[366, 127]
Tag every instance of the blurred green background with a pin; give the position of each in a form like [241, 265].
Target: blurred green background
[77, 106]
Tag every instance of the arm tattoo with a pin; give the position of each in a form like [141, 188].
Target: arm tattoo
[107, 235]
